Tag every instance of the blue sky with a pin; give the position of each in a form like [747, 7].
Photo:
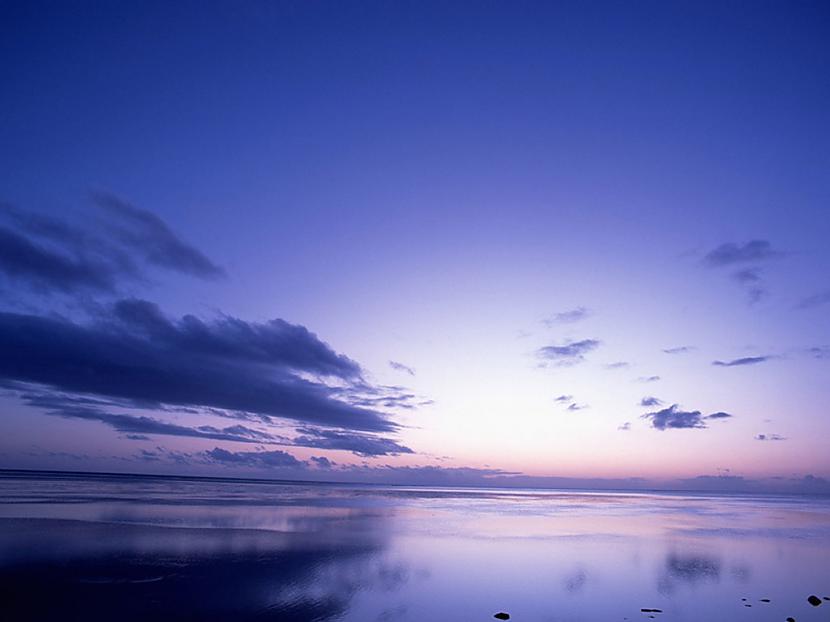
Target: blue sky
[515, 202]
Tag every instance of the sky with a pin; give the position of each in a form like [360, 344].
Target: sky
[577, 244]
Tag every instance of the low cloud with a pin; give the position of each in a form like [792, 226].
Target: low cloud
[569, 353]
[134, 353]
[675, 418]
[276, 458]
[364, 445]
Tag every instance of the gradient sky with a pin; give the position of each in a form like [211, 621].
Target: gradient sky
[503, 242]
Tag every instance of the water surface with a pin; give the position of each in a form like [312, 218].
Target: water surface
[84, 547]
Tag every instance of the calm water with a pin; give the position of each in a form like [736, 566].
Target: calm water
[130, 548]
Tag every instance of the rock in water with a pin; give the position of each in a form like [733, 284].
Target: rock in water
[790, 619]
[501, 615]
[814, 600]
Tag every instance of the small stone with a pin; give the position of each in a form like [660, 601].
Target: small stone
[814, 600]
[501, 615]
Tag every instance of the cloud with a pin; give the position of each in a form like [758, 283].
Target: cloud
[674, 418]
[747, 360]
[401, 367]
[138, 427]
[648, 379]
[820, 352]
[149, 235]
[569, 353]
[679, 350]
[649, 401]
[276, 458]
[134, 353]
[50, 255]
[46, 269]
[730, 254]
[618, 365]
[625, 427]
[769, 437]
[360, 444]
[568, 317]
[816, 300]
[563, 398]
[321, 462]
[574, 407]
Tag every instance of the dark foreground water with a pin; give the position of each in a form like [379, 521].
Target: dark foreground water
[134, 548]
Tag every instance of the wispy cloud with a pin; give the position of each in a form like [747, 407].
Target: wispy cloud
[650, 401]
[401, 367]
[730, 253]
[624, 427]
[816, 300]
[747, 360]
[569, 353]
[563, 398]
[618, 365]
[674, 418]
[50, 255]
[568, 317]
[679, 350]
[148, 235]
[769, 437]
[647, 379]
[575, 407]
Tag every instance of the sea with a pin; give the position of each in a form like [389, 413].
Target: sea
[127, 547]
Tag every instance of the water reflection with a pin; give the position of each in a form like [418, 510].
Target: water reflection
[135, 549]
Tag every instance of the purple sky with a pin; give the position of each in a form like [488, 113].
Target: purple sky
[508, 243]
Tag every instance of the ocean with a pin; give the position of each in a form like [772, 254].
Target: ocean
[118, 548]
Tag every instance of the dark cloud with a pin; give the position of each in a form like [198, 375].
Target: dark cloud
[770, 437]
[730, 254]
[674, 418]
[679, 350]
[650, 401]
[401, 367]
[321, 462]
[50, 255]
[816, 300]
[46, 269]
[137, 427]
[569, 353]
[747, 360]
[273, 369]
[568, 317]
[365, 445]
[276, 458]
[149, 236]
